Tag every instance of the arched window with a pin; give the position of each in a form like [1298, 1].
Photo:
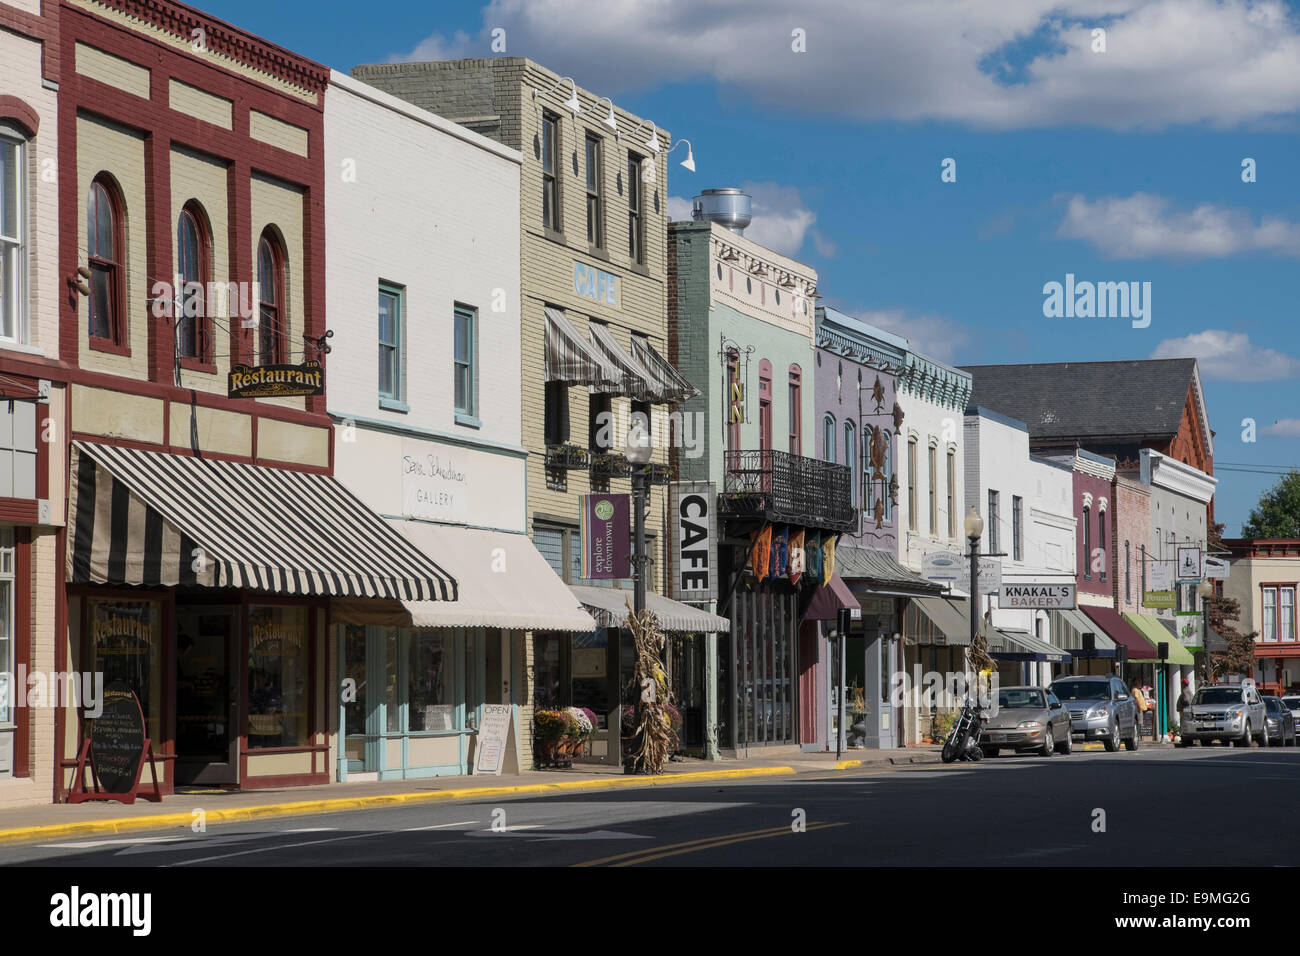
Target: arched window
[105, 217]
[764, 404]
[193, 267]
[796, 410]
[13, 215]
[271, 331]
[850, 459]
[1128, 573]
[1087, 542]
[828, 437]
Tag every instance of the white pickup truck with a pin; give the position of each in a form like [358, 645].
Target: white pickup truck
[1227, 712]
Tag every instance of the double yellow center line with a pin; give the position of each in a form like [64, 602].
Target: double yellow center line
[706, 843]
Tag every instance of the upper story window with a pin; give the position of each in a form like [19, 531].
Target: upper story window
[193, 270]
[105, 227]
[465, 361]
[1087, 542]
[392, 314]
[635, 217]
[828, 438]
[994, 517]
[550, 164]
[911, 484]
[270, 307]
[595, 201]
[796, 411]
[850, 459]
[933, 475]
[1278, 620]
[952, 495]
[1102, 541]
[1017, 528]
[1128, 573]
[765, 404]
[13, 213]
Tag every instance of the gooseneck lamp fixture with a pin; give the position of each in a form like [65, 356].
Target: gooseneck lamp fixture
[611, 120]
[689, 161]
[572, 102]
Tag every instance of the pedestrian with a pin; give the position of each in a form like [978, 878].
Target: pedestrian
[1184, 698]
[1139, 698]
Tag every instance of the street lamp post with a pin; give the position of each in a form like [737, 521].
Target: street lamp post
[974, 528]
[1206, 590]
[638, 453]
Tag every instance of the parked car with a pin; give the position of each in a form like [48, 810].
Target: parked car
[1292, 703]
[1100, 708]
[1227, 712]
[1027, 719]
[1279, 721]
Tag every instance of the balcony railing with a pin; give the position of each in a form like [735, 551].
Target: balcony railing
[777, 486]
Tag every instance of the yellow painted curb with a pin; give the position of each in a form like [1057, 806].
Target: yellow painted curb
[162, 821]
[849, 764]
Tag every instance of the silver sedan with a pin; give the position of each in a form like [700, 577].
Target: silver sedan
[1027, 719]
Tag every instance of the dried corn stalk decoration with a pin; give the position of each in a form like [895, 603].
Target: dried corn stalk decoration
[650, 743]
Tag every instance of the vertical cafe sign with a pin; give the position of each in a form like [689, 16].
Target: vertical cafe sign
[606, 537]
[694, 555]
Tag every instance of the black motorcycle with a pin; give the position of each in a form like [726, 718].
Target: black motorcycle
[963, 740]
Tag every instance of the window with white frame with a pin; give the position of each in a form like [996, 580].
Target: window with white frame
[391, 315]
[6, 624]
[1278, 620]
[13, 211]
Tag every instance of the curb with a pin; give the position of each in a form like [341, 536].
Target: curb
[162, 821]
[887, 761]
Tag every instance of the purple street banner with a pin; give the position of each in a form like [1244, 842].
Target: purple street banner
[813, 549]
[798, 561]
[780, 550]
[605, 529]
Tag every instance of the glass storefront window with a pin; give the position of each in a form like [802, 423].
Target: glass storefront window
[392, 701]
[124, 646]
[354, 669]
[278, 677]
[430, 688]
[546, 671]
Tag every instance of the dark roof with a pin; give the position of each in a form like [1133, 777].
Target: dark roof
[1130, 401]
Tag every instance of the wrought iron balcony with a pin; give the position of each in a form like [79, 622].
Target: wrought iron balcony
[660, 474]
[779, 487]
[608, 465]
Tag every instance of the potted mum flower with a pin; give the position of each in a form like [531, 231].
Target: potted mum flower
[581, 725]
[549, 729]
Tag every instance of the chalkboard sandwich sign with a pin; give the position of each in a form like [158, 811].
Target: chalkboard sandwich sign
[116, 748]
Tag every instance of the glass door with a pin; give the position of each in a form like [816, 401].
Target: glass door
[207, 696]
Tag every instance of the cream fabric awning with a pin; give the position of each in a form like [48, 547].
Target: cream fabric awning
[673, 384]
[610, 608]
[512, 587]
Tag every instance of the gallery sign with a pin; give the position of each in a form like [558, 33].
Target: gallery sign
[606, 537]
[1047, 597]
[276, 381]
[435, 486]
[693, 524]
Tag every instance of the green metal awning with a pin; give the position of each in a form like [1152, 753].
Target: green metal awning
[1151, 628]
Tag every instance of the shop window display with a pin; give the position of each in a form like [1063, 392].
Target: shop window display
[278, 677]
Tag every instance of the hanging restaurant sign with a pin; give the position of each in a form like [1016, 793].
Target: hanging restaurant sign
[276, 381]
[694, 559]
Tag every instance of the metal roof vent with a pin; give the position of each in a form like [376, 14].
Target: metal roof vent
[730, 207]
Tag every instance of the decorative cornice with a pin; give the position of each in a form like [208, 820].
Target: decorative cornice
[1161, 471]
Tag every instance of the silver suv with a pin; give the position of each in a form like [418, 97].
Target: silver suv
[1101, 708]
[1227, 712]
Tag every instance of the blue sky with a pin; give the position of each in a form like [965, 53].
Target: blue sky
[1122, 164]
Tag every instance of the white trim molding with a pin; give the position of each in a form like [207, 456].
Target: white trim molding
[1161, 471]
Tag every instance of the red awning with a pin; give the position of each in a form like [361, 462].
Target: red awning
[1120, 631]
[830, 597]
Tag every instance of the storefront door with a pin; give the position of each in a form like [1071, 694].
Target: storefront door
[207, 695]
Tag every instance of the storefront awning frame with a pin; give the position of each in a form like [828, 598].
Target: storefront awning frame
[609, 608]
[569, 358]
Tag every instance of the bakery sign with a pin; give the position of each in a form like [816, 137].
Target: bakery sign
[1037, 597]
[276, 381]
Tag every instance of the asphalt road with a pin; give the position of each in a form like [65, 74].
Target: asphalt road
[1199, 807]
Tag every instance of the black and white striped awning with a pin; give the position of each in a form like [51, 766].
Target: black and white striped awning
[571, 359]
[149, 518]
[672, 385]
[636, 381]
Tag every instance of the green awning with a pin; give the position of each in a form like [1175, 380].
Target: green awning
[1151, 628]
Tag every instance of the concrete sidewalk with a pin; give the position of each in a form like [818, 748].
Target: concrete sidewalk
[183, 810]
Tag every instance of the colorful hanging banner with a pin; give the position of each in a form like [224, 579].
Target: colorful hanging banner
[780, 552]
[798, 559]
[828, 558]
[762, 553]
[605, 528]
[813, 551]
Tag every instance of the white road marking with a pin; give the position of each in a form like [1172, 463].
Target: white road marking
[271, 849]
[440, 826]
[93, 844]
[311, 830]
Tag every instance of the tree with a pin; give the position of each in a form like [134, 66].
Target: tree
[1278, 513]
[1221, 613]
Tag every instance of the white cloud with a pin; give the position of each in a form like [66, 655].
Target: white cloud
[1222, 62]
[1230, 356]
[437, 47]
[1144, 225]
[781, 222]
[1285, 427]
[930, 335]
